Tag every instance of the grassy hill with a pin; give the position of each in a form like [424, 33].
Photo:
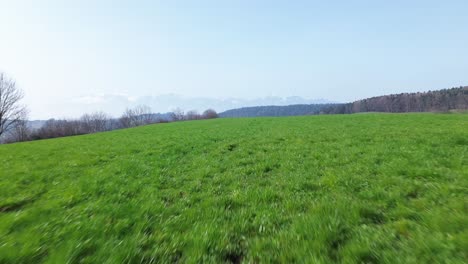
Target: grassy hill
[364, 188]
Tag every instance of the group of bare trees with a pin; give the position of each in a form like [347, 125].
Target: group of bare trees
[100, 122]
[93, 123]
[138, 116]
[14, 120]
[87, 124]
[179, 115]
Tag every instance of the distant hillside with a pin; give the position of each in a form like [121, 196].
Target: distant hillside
[432, 101]
[289, 110]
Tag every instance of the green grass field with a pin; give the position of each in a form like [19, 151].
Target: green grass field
[364, 188]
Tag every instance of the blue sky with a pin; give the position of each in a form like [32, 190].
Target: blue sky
[70, 56]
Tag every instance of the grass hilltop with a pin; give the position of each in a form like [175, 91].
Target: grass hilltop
[363, 188]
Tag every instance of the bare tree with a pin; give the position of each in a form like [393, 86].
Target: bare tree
[20, 131]
[95, 122]
[101, 121]
[177, 115]
[143, 115]
[11, 111]
[138, 116]
[126, 119]
[86, 123]
[59, 128]
[192, 115]
[210, 113]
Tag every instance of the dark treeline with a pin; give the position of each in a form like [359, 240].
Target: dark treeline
[99, 122]
[432, 101]
[288, 110]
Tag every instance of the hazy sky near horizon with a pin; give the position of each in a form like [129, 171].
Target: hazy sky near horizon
[69, 56]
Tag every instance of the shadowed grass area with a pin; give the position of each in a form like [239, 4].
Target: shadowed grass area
[368, 188]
